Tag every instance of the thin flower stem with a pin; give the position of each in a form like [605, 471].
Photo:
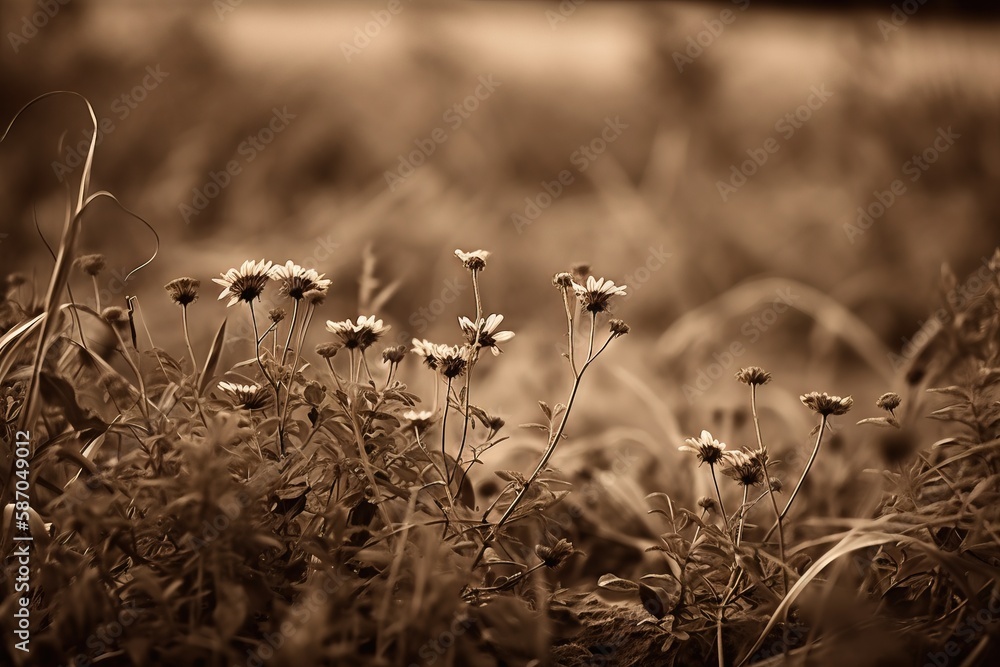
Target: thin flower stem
[770, 491]
[798, 485]
[336, 378]
[364, 363]
[97, 295]
[475, 289]
[291, 327]
[283, 417]
[444, 431]
[722, 505]
[468, 397]
[423, 448]
[743, 515]
[187, 339]
[570, 336]
[549, 450]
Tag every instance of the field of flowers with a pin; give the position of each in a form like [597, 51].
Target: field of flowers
[391, 344]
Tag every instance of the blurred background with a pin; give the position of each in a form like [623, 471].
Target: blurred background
[776, 186]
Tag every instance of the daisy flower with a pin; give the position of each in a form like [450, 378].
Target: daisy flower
[425, 349]
[708, 449]
[475, 260]
[744, 467]
[452, 360]
[183, 291]
[360, 335]
[753, 376]
[825, 404]
[595, 295]
[245, 283]
[248, 396]
[485, 333]
[419, 420]
[296, 281]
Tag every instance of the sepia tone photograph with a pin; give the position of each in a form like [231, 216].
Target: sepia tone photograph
[584, 333]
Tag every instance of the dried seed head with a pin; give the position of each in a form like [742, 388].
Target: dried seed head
[825, 404]
[618, 328]
[114, 315]
[495, 423]
[92, 265]
[776, 484]
[276, 315]
[328, 350]
[183, 291]
[555, 555]
[888, 401]
[753, 375]
[563, 280]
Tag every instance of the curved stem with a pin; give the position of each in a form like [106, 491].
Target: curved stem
[770, 491]
[291, 328]
[187, 339]
[798, 486]
[743, 516]
[722, 505]
[444, 432]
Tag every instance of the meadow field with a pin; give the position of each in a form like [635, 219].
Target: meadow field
[424, 333]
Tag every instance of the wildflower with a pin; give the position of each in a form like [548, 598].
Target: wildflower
[183, 291]
[825, 404]
[619, 328]
[360, 335]
[555, 555]
[475, 260]
[753, 376]
[92, 265]
[394, 355]
[276, 315]
[425, 349]
[245, 283]
[708, 449]
[743, 467]
[114, 315]
[888, 401]
[707, 504]
[451, 360]
[775, 484]
[328, 350]
[563, 280]
[485, 333]
[420, 420]
[595, 295]
[247, 396]
[296, 281]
